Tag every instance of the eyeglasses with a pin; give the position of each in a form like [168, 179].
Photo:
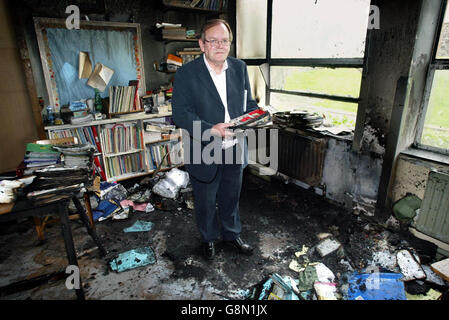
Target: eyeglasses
[215, 43]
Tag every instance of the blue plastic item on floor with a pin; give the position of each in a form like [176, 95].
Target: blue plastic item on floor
[139, 226]
[133, 259]
[376, 286]
[104, 209]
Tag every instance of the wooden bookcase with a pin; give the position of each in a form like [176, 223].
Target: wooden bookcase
[119, 160]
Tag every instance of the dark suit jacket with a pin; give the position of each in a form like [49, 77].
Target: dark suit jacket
[195, 98]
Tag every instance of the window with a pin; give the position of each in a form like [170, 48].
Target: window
[315, 54]
[251, 29]
[433, 131]
[319, 29]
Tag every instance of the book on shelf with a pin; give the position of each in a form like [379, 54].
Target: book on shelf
[166, 152]
[85, 135]
[172, 59]
[99, 167]
[194, 3]
[202, 4]
[136, 101]
[122, 137]
[124, 99]
[124, 164]
[151, 136]
[174, 32]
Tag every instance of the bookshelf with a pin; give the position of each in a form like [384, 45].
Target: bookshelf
[198, 6]
[122, 149]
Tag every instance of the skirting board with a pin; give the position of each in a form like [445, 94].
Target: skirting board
[440, 244]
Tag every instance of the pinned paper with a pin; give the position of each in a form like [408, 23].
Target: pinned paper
[85, 65]
[100, 78]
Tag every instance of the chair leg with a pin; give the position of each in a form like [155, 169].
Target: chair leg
[88, 226]
[39, 228]
[89, 209]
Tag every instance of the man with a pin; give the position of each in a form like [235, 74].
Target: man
[210, 91]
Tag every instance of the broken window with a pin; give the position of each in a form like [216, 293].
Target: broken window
[433, 131]
[315, 54]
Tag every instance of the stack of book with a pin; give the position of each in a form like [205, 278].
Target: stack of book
[297, 120]
[56, 183]
[189, 54]
[80, 113]
[174, 33]
[38, 156]
[77, 155]
[173, 62]
[85, 135]
[124, 99]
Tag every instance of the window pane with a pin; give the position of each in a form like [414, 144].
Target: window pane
[258, 88]
[251, 29]
[436, 125]
[344, 82]
[335, 112]
[443, 46]
[319, 29]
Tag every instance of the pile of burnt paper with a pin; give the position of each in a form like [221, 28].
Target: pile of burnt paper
[56, 183]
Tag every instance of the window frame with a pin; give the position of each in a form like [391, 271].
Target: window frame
[359, 63]
[434, 65]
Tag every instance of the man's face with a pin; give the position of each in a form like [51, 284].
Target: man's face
[215, 54]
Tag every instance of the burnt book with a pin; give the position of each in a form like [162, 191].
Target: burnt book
[251, 119]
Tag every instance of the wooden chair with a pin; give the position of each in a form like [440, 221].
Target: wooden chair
[41, 223]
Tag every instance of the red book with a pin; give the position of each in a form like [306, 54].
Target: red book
[97, 140]
[136, 93]
[99, 168]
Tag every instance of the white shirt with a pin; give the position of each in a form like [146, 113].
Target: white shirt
[220, 83]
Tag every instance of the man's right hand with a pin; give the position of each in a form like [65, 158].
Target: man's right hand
[220, 130]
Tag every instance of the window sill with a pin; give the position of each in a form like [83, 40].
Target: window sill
[427, 155]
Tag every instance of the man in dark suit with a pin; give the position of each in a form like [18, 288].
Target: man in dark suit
[208, 92]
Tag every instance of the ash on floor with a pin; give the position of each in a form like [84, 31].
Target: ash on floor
[278, 219]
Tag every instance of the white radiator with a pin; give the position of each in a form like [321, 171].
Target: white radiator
[433, 218]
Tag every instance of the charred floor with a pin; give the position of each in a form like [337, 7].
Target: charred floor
[278, 220]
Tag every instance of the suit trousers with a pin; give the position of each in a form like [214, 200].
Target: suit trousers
[224, 190]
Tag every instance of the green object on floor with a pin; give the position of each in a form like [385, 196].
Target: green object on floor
[133, 259]
[405, 209]
[307, 278]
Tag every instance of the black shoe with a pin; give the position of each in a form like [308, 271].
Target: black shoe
[241, 246]
[209, 250]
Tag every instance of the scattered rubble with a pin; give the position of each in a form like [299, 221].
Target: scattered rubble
[410, 267]
[330, 256]
[327, 246]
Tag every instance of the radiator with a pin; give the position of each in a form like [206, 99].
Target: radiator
[301, 157]
[433, 218]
